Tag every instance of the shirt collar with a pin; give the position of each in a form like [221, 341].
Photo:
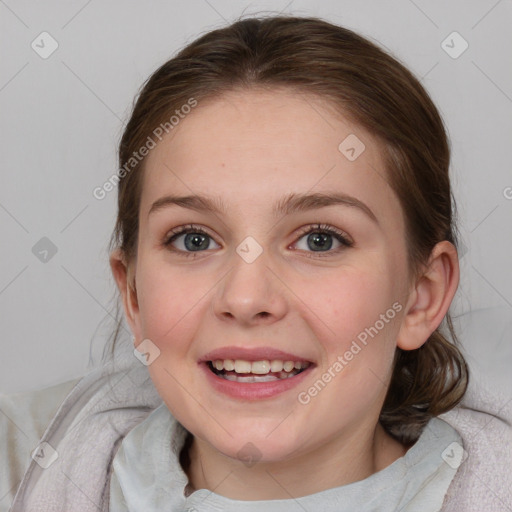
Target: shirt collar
[147, 474]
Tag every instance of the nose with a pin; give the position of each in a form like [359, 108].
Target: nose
[250, 293]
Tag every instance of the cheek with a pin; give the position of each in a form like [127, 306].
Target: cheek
[349, 302]
[169, 303]
[357, 326]
[361, 312]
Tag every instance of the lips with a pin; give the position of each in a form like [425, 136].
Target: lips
[252, 354]
[254, 373]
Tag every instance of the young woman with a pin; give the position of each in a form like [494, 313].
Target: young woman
[285, 252]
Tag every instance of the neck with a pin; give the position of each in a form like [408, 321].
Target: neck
[338, 462]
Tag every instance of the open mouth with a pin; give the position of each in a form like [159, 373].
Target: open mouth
[256, 371]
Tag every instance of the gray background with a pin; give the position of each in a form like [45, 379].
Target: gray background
[61, 119]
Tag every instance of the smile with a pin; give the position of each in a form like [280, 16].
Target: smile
[240, 370]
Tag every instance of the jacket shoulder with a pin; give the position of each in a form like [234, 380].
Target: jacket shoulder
[484, 480]
[24, 417]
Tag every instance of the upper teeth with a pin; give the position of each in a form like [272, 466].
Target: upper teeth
[258, 367]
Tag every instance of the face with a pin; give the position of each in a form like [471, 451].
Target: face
[269, 277]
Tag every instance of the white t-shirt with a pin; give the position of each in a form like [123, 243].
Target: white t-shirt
[147, 476]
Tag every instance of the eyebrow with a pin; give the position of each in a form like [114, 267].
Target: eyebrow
[289, 204]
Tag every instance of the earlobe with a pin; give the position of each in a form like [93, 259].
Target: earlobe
[125, 280]
[431, 297]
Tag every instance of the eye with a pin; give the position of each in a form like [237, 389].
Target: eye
[320, 239]
[193, 239]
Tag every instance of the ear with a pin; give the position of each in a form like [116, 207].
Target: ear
[431, 298]
[125, 279]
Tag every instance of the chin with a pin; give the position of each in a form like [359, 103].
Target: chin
[255, 449]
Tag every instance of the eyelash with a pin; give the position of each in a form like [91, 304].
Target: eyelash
[316, 228]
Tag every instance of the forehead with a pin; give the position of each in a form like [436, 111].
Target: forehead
[252, 147]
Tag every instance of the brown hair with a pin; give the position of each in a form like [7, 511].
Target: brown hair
[364, 83]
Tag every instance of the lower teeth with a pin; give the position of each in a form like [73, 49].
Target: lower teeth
[234, 377]
[249, 378]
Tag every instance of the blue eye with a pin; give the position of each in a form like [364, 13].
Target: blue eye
[320, 239]
[193, 239]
